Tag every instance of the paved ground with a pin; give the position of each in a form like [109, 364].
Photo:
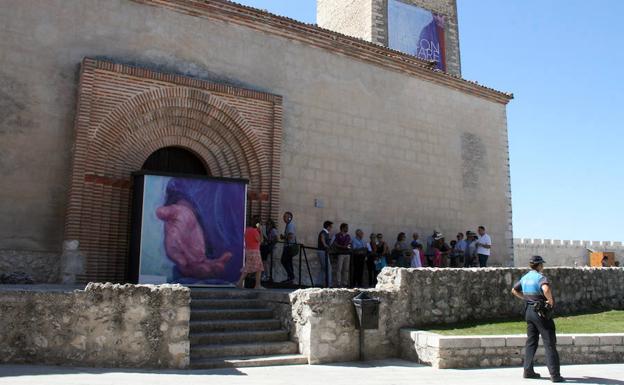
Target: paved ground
[379, 372]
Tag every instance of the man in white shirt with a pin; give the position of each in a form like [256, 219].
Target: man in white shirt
[484, 245]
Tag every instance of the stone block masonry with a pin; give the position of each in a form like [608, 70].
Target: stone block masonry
[42, 266]
[342, 99]
[103, 325]
[447, 352]
[323, 321]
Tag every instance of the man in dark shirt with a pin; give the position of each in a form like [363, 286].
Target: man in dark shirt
[534, 288]
[324, 277]
[358, 246]
[290, 238]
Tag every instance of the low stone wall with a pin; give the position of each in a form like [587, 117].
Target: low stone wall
[102, 325]
[445, 352]
[324, 326]
[324, 319]
[43, 267]
[279, 302]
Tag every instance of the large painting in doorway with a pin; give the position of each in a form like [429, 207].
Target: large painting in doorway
[188, 230]
[417, 31]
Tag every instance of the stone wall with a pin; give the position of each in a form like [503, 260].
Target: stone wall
[324, 320]
[102, 325]
[445, 352]
[342, 102]
[42, 266]
[350, 17]
[562, 252]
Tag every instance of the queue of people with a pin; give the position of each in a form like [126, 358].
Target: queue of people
[469, 250]
[346, 261]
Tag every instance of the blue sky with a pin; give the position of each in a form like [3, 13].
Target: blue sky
[563, 61]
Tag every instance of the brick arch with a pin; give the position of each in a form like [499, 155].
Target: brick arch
[119, 127]
[202, 112]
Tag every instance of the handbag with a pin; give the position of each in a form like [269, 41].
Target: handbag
[292, 249]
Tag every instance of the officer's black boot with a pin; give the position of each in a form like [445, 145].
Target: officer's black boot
[557, 378]
[531, 374]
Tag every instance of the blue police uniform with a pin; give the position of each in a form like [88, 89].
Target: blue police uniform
[531, 287]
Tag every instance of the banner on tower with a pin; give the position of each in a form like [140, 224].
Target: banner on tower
[417, 31]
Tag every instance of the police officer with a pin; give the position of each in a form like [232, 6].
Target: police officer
[534, 288]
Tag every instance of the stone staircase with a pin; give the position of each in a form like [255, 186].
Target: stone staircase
[233, 328]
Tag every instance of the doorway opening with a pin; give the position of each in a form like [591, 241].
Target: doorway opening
[175, 160]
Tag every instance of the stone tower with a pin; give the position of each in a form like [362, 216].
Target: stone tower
[424, 28]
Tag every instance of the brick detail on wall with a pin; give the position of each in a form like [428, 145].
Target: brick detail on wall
[126, 113]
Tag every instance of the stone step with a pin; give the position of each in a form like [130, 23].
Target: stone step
[241, 362]
[231, 325]
[230, 314]
[251, 349]
[238, 337]
[223, 293]
[235, 303]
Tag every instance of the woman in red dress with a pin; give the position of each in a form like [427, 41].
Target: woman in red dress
[253, 260]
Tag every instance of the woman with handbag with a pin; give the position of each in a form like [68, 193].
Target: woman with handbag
[269, 239]
[253, 261]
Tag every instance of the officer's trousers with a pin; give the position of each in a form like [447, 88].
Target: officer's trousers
[537, 326]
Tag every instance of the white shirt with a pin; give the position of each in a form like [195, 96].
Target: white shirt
[415, 258]
[484, 240]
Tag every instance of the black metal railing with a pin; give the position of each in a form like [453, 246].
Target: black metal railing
[303, 256]
[329, 255]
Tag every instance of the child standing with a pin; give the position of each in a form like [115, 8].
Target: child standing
[417, 256]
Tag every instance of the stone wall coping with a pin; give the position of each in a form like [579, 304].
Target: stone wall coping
[426, 338]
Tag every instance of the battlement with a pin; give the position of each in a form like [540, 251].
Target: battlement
[520, 242]
[559, 252]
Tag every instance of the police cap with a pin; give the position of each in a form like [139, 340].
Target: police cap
[536, 260]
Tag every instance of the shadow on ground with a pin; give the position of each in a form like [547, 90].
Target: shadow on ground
[378, 364]
[29, 370]
[593, 380]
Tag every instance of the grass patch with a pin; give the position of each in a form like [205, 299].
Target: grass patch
[605, 322]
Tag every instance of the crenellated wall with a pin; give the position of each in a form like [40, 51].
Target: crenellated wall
[561, 252]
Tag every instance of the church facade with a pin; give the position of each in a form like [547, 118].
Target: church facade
[327, 124]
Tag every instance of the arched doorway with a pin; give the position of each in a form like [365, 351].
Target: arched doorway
[163, 123]
[175, 160]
